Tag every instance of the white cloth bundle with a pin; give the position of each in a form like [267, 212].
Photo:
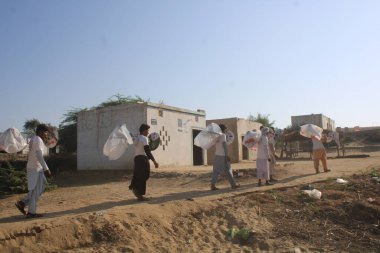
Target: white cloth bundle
[251, 139]
[117, 142]
[208, 137]
[11, 141]
[309, 130]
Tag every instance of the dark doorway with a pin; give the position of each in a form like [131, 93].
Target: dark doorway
[197, 151]
[245, 150]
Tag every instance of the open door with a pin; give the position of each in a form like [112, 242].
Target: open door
[245, 150]
[197, 151]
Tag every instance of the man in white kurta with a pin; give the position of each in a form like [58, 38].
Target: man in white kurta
[35, 173]
[222, 161]
[263, 158]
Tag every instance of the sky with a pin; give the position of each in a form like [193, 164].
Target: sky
[230, 58]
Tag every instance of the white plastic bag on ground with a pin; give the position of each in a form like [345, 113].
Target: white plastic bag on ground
[341, 181]
[117, 142]
[208, 137]
[251, 139]
[11, 141]
[314, 194]
[309, 129]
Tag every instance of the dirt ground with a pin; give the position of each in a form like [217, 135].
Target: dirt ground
[95, 212]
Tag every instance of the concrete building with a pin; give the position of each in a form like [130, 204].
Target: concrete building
[177, 128]
[317, 119]
[236, 150]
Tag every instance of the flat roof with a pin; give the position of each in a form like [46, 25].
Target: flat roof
[199, 112]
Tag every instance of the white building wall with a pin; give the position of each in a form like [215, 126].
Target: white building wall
[316, 119]
[94, 128]
[235, 150]
[176, 148]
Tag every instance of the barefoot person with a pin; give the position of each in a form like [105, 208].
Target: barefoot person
[35, 168]
[141, 169]
[319, 153]
[222, 161]
[263, 158]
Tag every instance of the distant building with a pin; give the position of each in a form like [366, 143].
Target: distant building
[236, 150]
[177, 129]
[317, 119]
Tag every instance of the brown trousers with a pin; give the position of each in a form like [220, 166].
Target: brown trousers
[319, 154]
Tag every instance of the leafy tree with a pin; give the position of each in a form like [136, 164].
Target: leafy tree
[68, 131]
[68, 127]
[30, 126]
[261, 118]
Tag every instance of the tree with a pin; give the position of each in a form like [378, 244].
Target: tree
[68, 127]
[68, 131]
[30, 126]
[261, 118]
[119, 99]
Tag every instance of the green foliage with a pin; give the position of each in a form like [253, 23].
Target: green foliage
[30, 126]
[262, 118]
[119, 99]
[13, 180]
[374, 173]
[67, 131]
[273, 194]
[68, 127]
[239, 234]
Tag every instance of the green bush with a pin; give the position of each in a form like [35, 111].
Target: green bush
[241, 235]
[13, 180]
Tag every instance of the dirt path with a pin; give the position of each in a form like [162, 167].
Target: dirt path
[85, 201]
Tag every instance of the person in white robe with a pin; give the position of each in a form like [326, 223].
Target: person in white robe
[222, 161]
[36, 168]
[263, 158]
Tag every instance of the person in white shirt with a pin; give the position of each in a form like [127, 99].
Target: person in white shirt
[141, 171]
[319, 153]
[263, 158]
[35, 168]
[222, 161]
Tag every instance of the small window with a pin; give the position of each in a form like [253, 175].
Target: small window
[153, 122]
[161, 113]
[196, 118]
[179, 122]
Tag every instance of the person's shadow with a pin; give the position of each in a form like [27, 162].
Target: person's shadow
[189, 195]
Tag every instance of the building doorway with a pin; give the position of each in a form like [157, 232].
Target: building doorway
[197, 151]
[245, 150]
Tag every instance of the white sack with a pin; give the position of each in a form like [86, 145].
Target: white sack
[117, 142]
[309, 129]
[251, 139]
[11, 141]
[208, 137]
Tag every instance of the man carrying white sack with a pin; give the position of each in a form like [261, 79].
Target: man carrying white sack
[35, 168]
[319, 153]
[263, 158]
[222, 161]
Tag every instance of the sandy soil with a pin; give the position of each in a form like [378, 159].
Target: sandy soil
[95, 212]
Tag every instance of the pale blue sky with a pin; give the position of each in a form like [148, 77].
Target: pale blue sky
[230, 58]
